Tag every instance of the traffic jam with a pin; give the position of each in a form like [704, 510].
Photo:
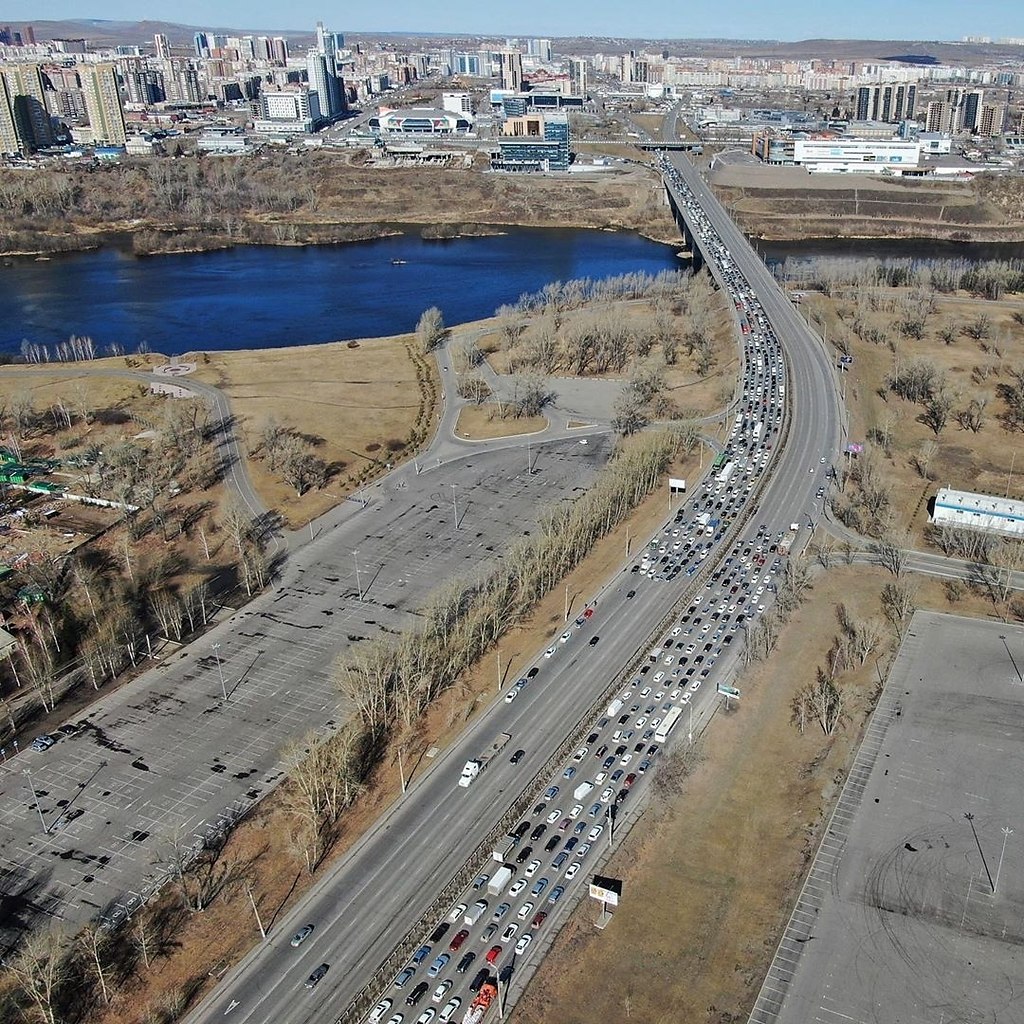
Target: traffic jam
[456, 972]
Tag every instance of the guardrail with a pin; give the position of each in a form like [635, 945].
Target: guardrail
[368, 995]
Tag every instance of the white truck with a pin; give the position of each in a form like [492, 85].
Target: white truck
[500, 879]
[614, 708]
[474, 912]
[473, 768]
[582, 790]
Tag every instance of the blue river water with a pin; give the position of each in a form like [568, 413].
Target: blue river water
[276, 296]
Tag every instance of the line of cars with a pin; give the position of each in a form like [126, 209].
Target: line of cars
[531, 879]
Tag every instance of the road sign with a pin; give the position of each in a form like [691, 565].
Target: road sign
[728, 691]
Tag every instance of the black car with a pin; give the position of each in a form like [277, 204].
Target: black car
[551, 844]
[417, 994]
[631, 595]
[521, 829]
[591, 738]
[533, 671]
[538, 831]
[570, 843]
[594, 640]
[517, 757]
[601, 750]
[439, 932]
[482, 975]
[524, 854]
[464, 964]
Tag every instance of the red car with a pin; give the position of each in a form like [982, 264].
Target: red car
[460, 938]
[493, 953]
[630, 779]
[538, 919]
[588, 612]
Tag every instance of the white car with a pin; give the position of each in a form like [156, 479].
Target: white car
[379, 1010]
[549, 652]
[523, 942]
[580, 754]
[457, 912]
[577, 810]
[607, 795]
[511, 695]
[570, 871]
[441, 991]
[625, 759]
[517, 888]
[565, 637]
[695, 685]
[658, 676]
[594, 834]
[600, 777]
[450, 1009]
[532, 868]
[645, 692]
[525, 910]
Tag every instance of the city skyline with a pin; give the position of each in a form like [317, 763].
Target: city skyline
[787, 20]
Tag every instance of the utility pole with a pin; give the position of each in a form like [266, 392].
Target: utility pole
[1009, 479]
[627, 540]
[529, 460]
[455, 508]
[263, 931]
[565, 617]
[359, 585]
[220, 670]
[499, 670]
[1007, 832]
[401, 770]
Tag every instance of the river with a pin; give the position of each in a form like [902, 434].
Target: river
[275, 296]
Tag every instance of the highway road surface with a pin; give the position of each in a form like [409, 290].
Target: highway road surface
[362, 909]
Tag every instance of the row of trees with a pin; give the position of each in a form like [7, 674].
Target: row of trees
[388, 684]
[562, 296]
[291, 455]
[991, 279]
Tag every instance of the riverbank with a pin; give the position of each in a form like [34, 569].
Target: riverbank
[789, 204]
[306, 199]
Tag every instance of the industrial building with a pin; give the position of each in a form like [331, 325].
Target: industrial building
[969, 511]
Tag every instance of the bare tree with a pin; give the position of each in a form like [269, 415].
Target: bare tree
[95, 942]
[40, 969]
[889, 552]
[821, 700]
[430, 330]
[898, 602]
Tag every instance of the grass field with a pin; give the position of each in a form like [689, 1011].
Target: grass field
[482, 422]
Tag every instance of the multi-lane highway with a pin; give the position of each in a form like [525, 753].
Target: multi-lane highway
[367, 906]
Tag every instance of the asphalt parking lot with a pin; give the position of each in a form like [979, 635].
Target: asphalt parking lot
[912, 910]
[169, 756]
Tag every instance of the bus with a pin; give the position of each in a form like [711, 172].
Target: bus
[668, 723]
[719, 462]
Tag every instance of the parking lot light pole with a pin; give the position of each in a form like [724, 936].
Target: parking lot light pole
[455, 507]
[220, 670]
[35, 799]
[1009, 653]
[359, 585]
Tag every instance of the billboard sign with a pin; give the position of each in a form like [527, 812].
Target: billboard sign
[676, 484]
[728, 691]
[607, 890]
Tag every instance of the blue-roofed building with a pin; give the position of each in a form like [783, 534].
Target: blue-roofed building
[968, 511]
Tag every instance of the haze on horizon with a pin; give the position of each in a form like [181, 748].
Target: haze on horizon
[656, 19]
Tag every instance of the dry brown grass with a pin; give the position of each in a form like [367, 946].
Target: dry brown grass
[964, 460]
[484, 421]
[708, 879]
[356, 402]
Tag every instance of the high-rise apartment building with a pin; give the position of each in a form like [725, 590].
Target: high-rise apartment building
[511, 72]
[579, 72]
[972, 104]
[280, 49]
[992, 119]
[541, 49]
[201, 44]
[322, 71]
[890, 102]
[939, 117]
[103, 103]
[161, 46]
[25, 124]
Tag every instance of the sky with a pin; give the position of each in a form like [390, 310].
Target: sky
[666, 19]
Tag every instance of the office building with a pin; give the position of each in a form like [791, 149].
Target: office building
[25, 124]
[457, 102]
[468, 64]
[536, 142]
[541, 49]
[579, 73]
[103, 103]
[201, 44]
[511, 70]
[832, 154]
[421, 121]
[287, 113]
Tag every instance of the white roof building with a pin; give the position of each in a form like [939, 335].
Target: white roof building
[983, 512]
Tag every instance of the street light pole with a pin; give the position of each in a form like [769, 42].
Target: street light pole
[259, 923]
[401, 770]
[1009, 653]
[220, 670]
[1007, 832]
[359, 585]
[35, 798]
[455, 508]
